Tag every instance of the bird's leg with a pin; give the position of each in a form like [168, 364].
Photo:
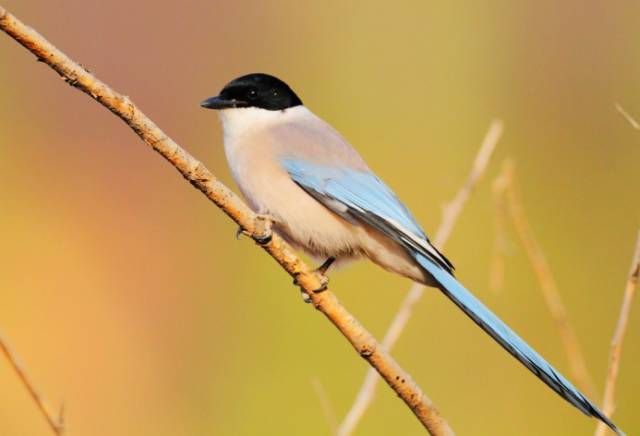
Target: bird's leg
[322, 269]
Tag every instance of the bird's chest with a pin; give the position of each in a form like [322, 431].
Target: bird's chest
[257, 173]
[299, 217]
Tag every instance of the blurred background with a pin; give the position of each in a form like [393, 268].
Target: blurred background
[129, 299]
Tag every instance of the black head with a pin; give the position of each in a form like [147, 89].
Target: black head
[254, 90]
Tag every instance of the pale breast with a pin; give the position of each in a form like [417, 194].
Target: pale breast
[253, 159]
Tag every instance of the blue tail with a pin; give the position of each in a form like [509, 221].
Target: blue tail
[510, 341]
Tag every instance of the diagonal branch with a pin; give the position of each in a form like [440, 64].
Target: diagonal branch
[505, 185]
[609, 406]
[450, 213]
[201, 178]
[627, 116]
[56, 423]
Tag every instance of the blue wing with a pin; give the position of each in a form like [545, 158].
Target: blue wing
[362, 197]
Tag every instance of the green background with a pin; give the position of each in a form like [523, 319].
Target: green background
[129, 299]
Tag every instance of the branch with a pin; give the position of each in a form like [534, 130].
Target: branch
[501, 245]
[450, 213]
[608, 404]
[506, 185]
[56, 424]
[628, 117]
[201, 178]
[325, 404]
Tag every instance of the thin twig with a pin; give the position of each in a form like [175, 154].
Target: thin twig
[608, 404]
[450, 213]
[325, 404]
[506, 183]
[56, 424]
[200, 177]
[628, 117]
[500, 246]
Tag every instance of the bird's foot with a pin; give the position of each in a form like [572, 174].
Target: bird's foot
[262, 232]
[322, 280]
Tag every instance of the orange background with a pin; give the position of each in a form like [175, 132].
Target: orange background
[129, 299]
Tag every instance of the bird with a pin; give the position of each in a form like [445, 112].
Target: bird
[323, 199]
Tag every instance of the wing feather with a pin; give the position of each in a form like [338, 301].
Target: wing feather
[362, 197]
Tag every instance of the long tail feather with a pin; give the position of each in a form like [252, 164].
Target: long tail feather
[510, 341]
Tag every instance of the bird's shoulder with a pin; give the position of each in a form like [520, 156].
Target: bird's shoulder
[302, 135]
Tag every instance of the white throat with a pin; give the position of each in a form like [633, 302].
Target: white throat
[237, 122]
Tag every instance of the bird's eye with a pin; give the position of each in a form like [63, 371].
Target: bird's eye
[275, 93]
[252, 94]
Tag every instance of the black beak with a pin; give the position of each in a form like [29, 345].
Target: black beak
[218, 102]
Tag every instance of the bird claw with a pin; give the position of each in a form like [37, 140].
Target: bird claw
[305, 297]
[241, 232]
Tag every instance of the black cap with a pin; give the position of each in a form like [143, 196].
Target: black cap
[254, 90]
